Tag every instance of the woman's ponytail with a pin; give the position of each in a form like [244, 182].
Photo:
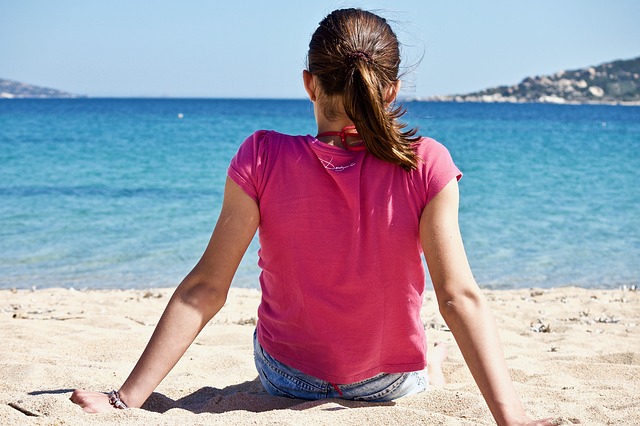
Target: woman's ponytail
[355, 56]
[376, 120]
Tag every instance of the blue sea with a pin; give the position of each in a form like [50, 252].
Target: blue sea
[124, 193]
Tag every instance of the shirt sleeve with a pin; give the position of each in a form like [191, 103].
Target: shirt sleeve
[246, 166]
[438, 167]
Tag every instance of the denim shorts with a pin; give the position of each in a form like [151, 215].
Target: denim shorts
[281, 380]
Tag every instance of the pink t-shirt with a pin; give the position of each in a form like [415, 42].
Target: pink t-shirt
[342, 274]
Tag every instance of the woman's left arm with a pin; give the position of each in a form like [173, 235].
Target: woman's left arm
[465, 310]
[197, 299]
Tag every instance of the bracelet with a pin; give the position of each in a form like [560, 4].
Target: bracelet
[114, 399]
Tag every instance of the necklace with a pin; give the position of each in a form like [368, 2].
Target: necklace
[347, 131]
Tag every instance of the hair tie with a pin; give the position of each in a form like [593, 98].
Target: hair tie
[359, 54]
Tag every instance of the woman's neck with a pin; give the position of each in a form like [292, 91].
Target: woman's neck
[325, 125]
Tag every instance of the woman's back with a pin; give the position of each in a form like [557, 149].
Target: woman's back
[342, 276]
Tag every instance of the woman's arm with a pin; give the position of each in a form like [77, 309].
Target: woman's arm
[196, 300]
[465, 310]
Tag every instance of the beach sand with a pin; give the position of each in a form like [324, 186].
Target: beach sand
[574, 354]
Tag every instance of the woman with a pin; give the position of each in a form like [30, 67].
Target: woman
[344, 218]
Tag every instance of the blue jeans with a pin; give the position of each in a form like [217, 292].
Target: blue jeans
[281, 380]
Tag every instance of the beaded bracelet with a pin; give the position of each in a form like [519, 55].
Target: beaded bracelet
[114, 399]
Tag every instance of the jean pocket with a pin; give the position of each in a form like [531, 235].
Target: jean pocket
[282, 380]
[382, 389]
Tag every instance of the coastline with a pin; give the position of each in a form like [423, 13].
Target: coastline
[455, 99]
[492, 100]
[572, 353]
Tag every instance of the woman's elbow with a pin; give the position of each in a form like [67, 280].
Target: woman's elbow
[203, 295]
[453, 304]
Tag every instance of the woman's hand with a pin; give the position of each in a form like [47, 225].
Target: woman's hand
[91, 402]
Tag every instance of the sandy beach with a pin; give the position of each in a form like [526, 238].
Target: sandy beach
[573, 353]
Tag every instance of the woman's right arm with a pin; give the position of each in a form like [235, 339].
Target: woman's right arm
[196, 300]
[465, 310]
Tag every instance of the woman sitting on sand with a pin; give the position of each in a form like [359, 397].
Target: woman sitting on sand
[344, 218]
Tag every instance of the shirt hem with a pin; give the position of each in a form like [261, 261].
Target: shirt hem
[345, 379]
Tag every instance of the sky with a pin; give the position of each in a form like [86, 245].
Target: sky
[257, 48]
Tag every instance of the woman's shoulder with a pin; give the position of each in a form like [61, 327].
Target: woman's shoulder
[427, 144]
[270, 144]
[435, 166]
[429, 149]
[269, 135]
[272, 138]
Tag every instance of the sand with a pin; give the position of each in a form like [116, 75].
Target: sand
[574, 354]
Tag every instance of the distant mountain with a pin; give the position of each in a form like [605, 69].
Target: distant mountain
[13, 89]
[615, 82]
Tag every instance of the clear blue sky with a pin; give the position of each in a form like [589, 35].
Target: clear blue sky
[256, 48]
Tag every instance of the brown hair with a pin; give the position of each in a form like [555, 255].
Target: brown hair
[355, 56]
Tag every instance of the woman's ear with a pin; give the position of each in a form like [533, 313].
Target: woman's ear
[392, 91]
[309, 85]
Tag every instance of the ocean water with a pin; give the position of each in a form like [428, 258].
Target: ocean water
[122, 193]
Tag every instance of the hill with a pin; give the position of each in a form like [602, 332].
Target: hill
[13, 89]
[616, 82]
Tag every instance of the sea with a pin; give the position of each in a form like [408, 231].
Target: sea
[124, 193]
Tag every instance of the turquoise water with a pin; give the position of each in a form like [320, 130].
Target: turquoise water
[122, 193]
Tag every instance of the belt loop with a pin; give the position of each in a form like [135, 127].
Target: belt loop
[336, 388]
